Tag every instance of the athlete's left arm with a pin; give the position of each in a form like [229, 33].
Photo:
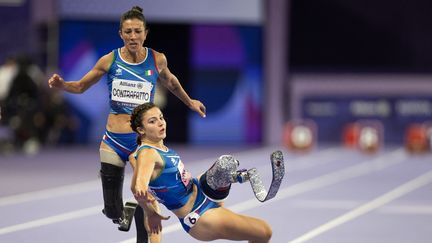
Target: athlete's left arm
[171, 82]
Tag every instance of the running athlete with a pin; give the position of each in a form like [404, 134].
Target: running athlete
[132, 73]
[159, 174]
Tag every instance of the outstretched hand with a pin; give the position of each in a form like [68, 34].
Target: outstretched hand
[56, 81]
[155, 222]
[198, 107]
[142, 195]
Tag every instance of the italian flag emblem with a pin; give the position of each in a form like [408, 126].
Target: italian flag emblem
[148, 72]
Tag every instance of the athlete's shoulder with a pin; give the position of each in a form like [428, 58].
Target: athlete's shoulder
[109, 56]
[146, 152]
[105, 61]
[153, 51]
[159, 56]
[145, 149]
[160, 60]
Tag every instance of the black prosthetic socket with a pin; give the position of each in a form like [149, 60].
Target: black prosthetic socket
[217, 195]
[112, 184]
[142, 236]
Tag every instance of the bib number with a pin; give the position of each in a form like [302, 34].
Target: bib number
[131, 92]
[191, 219]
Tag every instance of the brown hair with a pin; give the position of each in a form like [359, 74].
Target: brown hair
[135, 12]
[137, 115]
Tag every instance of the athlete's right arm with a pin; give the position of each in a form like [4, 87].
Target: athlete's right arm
[153, 217]
[93, 76]
[143, 172]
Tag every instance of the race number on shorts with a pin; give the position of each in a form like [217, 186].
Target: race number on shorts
[191, 219]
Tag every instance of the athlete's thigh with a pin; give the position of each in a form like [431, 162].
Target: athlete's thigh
[221, 223]
[108, 155]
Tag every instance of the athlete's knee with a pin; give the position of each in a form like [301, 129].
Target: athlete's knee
[112, 184]
[268, 232]
[265, 232]
[216, 181]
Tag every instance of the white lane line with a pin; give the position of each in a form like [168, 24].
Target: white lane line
[51, 193]
[51, 220]
[380, 163]
[388, 197]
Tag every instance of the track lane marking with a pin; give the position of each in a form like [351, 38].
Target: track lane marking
[380, 201]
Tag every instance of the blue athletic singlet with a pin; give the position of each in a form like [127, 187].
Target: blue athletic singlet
[131, 84]
[173, 186]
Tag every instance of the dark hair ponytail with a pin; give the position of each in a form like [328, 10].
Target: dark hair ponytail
[137, 8]
[136, 12]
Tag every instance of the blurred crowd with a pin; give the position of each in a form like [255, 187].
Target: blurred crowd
[32, 115]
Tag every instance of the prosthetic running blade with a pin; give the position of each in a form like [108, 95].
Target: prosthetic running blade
[128, 213]
[278, 172]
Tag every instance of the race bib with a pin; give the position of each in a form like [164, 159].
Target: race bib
[132, 92]
[185, 175]
[191, 219]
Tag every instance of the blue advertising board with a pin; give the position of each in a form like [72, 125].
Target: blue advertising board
[332, 113]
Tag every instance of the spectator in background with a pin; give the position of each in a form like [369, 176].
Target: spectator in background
[33, 115]
[20, 105]
[8, 72]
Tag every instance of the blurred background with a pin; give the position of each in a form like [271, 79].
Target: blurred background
[255, 64]
[317, 79]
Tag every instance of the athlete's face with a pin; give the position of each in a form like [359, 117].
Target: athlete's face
[133, 33]
[153, 125]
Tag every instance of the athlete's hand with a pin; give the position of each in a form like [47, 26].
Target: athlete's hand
[153, 217]
[198, 107]
[142, 195]
[155, 222]
[56, 82]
